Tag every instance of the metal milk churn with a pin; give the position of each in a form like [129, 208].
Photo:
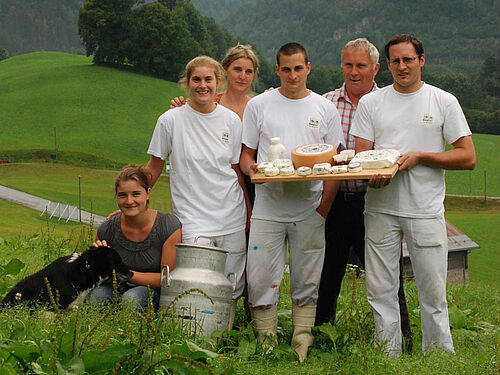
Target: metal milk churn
[197, 267]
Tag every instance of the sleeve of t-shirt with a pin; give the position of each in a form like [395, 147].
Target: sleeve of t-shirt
[161, 142]
[237, 129]
[334, 135]
[250, 134]
[455, 124]
[169, 225]
[362, 126]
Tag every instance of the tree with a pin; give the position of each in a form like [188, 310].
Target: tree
[3, 54]
[490, 76]
[162, 42]
[104, 26]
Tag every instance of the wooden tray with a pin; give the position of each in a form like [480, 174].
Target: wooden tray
[365, 174]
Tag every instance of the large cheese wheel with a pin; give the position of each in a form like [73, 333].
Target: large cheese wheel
[314, 153]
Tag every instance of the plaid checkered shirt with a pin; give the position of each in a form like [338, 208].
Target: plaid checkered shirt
[347, 110]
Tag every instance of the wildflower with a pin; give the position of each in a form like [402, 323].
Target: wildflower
[120, 331]
[18, 296]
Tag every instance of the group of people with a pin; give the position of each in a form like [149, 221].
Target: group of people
[215, 140]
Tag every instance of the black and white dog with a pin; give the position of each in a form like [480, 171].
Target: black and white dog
[73, 276]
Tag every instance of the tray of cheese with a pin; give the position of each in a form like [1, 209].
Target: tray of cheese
[365, 174]
[362, 166]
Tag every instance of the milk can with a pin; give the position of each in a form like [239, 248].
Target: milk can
[201, 267]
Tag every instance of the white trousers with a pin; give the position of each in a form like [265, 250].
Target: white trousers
[267, 257]
[235, 244]
[428, 249]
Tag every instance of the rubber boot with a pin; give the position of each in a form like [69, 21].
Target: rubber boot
[303, 320]
[265, 326]
[232, 313]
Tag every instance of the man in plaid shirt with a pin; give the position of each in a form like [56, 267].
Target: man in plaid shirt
[345, 222]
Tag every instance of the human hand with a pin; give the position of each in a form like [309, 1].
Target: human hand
[112, 214]
[378, 181]
[322, 210]
[178, 101]
[408, 161]
[99, 243]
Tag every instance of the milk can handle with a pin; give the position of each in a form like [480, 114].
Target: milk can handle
[165, 280]
[212, 242]
[234, 280]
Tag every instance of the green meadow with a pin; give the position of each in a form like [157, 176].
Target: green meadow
[94, 110]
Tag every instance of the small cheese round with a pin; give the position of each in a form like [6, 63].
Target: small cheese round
[354, 167]
[348, 153]
[340, 158]
[321, 168]
[304, 171]
[263, 165]
[272, 171]
[315, 153]
[280, 163]
[286, 171]
[339, 169]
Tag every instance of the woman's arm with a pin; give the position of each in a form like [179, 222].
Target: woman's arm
[153, 279]
[241, 181]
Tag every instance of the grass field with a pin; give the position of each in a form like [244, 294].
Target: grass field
[488, 161]
[96, 110]
[59, 183]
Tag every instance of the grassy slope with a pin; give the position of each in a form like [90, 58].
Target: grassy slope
[480, 220]
[59, 183]
[488, 159]
[97, 110]
[18, 221]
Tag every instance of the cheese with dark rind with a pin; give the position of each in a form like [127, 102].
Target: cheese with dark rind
[314, 153]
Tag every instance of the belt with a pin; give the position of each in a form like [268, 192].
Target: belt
[348, 196]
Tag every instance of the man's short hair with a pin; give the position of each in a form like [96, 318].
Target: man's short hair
[290, 49]
[367, 46]
[405, 38]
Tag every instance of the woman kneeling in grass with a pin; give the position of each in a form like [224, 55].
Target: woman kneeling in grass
[145, 239]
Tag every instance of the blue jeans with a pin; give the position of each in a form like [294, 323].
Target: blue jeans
[137, 296]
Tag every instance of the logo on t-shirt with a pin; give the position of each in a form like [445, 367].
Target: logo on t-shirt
[225, 137]
[427, 119]
[313, 123]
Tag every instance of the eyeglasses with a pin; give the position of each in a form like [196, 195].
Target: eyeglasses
[406, 61]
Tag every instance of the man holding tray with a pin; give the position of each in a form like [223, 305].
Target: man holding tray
[290, 213]
[416, 119]
[345, 223]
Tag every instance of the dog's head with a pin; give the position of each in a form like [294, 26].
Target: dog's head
[103, 260]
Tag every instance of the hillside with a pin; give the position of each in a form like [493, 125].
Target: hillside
[458, 34]
[96, 110]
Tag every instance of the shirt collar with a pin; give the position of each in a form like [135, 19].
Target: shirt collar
[343, 92]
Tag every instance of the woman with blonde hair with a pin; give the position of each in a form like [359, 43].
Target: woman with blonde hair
[241, 66]
[145, 239]
[202, 140]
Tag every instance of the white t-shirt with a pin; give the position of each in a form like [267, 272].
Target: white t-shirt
[206, 196]
[421, 121]
[297, 122]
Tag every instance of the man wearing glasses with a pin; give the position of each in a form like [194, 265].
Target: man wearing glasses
[416, 119]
